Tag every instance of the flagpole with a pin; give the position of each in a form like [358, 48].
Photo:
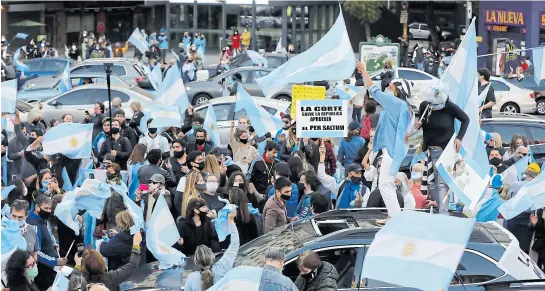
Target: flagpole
[108, 69]
[520, 50]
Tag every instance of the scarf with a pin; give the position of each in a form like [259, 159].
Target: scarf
[427, 176]
[349, 193]
[266, 159]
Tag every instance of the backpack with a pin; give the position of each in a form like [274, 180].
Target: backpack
[97, 54]
[366, 127]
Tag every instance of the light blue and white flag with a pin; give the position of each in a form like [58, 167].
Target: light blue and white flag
[156, 78]
[9, 96]
[66, 212]
[210, 125]
[530, 196]
[60, 283]
[6, 190]
[21, 35]
[240, 278]
[18, 64]
[262, 121]
[331, 58]
[417, 158]
[91, 196]
[65, 83]
[66, 52]
[346, 92]
[175, 55]
[164, 116]
[67, 184]
[134, 210]
[539, 66]
[222, 221]
[70, 139]
[11, 236]
[413, 245]
[514, 173]
[138, 40]
[162, 234]
[172, 90]
[257, 58]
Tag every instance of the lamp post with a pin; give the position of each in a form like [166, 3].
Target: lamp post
[108, 69]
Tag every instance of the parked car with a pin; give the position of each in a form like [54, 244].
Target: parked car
[83, 98]
[511, 98]
[224, 109]
[23, 108]
[506, 125]
[274, 60]
[342, 237]
[128, 70]
[43, 88]
[40, 67]
[200, 92]
[529, 83]
[421, 31]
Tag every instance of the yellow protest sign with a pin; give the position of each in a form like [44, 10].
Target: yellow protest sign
[305, 92]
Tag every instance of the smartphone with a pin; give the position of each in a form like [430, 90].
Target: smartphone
[144, 187]
[87, 112]
[91, 176]
[80, 248]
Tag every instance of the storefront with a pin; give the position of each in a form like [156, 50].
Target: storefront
[506, 27]
[302, 23]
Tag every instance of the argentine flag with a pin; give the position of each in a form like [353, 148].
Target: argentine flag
[134, 210]
[172, 90]
[331, 58]
[18, 64]
[66, 212]
[539, 68]
[240, 278]
[210, 125]
[9, 96]
[530, 196]
[262, 121]
[164, 116]
[137, 39]
[414, 245]
[156, 78]
[21, 35]
[70, 139]
[60, 283]
[257, 58]
[514, 173]
[65, 83]
[162, 234]
[346, 92]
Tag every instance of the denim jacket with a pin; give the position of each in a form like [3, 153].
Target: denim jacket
[273, 280]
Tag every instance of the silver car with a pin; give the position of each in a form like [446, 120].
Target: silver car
[202, 92]
[83, 98]
[127, 70]
[224, 109]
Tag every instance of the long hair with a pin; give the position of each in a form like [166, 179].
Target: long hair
[204, 259]
[192, 205]
[513, 146]
[231, 181]
[137, 155]
[16, 267]
[296, 164]
[57, 198]
[211, 165]
[239, 198]
[93, 266]
[190, 192]
[291, 139]
[497, 140]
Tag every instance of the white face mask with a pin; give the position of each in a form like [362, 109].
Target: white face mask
[211, 187]
[73, 47]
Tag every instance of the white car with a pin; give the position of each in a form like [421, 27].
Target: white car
[421, 31]
[512, 99]
[224, 109]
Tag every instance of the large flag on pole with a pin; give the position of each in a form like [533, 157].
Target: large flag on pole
[9, 96]
[156, 78]
[172, 90]
[539, 67]
[70, 139]
[210, 125]
[331, 58]
[530, 196]
[262, 121]
[65, 83]
[138, 40]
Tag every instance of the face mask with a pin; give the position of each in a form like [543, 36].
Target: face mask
[195, 126]
[285, 197]
[21, 223]
[244, 141]
[243, 127]
[44, 185]
[44, 214]
[110, 176]
[73, 47]
[153, 187]
[152, 130]
[31, 140]
[355, 180]
[32, 273]
[211, 187]
[115, 130]
[495, 161]
[202, 215]
[200, 141]
[200, 187]
[398, 188]
[35, 122]
[200, 166]
[179, 154]
[310, 275]
[415, 176]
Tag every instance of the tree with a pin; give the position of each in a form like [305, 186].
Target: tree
[368, 12]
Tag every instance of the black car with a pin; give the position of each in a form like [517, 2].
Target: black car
[506, 125]
[341, 237]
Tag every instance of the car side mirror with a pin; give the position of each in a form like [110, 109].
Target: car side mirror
[55, 103]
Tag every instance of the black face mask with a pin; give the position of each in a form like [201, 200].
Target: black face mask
[114, 130]
[202, 215]
[31, 140]
[35, 122]
[44, 214]
[179, 154]
[495, 161]
[200, 141]
[244, 141]
[285, 197]
[355, 180]
[152, 130]
[200, 166]
[110, 176]
[301, 187]
[314, 139]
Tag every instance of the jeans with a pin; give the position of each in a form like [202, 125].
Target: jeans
[420, 66]
[356, 114]
[163, 55]
[438, 189]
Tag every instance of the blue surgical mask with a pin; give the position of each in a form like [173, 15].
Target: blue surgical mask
[415, 176]
[44, 185]
[21, 223]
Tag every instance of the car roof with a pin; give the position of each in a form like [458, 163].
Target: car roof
[109, 60]
[253, 68]
[232, 99]
[515, 118]
[92, 75]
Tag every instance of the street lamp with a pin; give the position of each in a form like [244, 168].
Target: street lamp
[108, 69]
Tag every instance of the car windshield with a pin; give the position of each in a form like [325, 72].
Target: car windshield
[289, 238]
[49, 65]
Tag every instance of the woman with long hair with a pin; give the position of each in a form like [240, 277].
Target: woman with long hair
[516, 141]
[350, 146]
[194, 186]
[211, 165]
[118, 249]
[196, 228]
[238, 180]
[210, 271]
[135, 162]
[247, 224]
[21, 269]
[93, 266]
[46, 184]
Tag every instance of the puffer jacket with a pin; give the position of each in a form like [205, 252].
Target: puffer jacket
[325, 280]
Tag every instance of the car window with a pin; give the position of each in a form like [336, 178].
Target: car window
[538, 135]
[423, 27]
[243, 75]
[221, 111]
[77, 97]
[275, 62]
[54, 65]
[506, 131]
[243, 112]
[499, 86]
[33, 65]
[119, 70]
[413, 76]
[102, 95]
[343, 259]
[259, 74]
[413, 26]
[88, 69]
[474, 268]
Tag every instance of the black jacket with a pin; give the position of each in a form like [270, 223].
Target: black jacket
[188, 231]
[248, 231]
[112, 206]
[130, 134]
[325, 280]
[122, 146]
[135, 122]
[375, 199]
[261, 174]
[97, 123]
[117, 250]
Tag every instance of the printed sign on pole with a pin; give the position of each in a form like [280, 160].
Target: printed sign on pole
[305, 92]
[322, 118]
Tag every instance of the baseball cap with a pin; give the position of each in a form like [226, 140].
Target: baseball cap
[532, 170]
[353, 168]
[354, 125]
[157, 178]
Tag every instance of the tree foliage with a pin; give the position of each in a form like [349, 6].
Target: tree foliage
[365, 11]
